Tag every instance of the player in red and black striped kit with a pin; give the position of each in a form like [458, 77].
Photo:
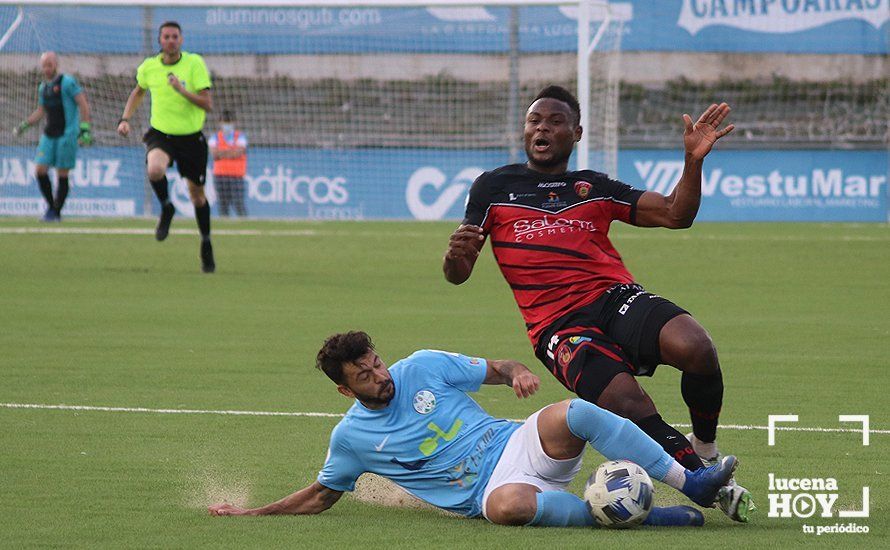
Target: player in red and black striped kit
[591, 325]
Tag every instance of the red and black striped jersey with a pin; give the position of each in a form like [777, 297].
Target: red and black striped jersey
[549, 235]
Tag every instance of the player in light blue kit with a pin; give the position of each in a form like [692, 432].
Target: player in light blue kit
[415, 425]
[63, 102]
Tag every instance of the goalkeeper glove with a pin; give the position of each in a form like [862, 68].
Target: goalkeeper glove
[21, 128]
[85, 137]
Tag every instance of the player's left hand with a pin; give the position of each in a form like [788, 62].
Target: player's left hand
[700, 137]
[526, 384]
[173, 80]
[226, 509]
[85, 137]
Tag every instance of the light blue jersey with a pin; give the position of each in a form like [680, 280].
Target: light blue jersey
[432, 439]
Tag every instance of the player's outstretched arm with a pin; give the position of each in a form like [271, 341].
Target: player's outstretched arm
[678, 210]
[133, 102]
[512, 373]
[463, 249]
[314, 499]
[32, 119]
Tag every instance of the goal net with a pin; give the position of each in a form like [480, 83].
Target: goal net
[351, 111]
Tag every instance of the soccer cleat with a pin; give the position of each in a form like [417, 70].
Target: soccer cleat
[163, 227]
[735, 501]
[207, 263]
[674, 516]
[51, 215]
[696, 446]
[702, 485]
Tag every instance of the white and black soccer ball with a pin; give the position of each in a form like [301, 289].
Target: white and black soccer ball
[619, 494]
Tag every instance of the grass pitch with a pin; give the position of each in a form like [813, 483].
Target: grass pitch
[799, 314]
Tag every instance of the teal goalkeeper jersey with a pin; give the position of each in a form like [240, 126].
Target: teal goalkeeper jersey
[432, 439]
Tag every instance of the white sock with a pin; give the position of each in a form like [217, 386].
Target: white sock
[702, 449]
[676, 476]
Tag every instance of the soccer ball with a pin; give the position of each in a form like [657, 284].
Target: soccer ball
[619, 494]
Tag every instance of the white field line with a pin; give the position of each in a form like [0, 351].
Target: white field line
[365, 231]
[90, 408]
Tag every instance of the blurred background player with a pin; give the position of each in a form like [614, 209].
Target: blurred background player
[228, 147]
[180, 99]
[67, 111]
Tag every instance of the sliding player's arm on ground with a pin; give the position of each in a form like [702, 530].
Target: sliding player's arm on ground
[313, 499]
[678, 210]
[133, 103]
[512, 373]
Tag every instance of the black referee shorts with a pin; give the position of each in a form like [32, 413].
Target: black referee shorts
[189, 152]
[617, 333]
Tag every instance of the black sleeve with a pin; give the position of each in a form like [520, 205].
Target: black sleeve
[478, 201]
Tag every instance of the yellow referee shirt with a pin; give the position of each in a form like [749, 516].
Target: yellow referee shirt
[171, 113]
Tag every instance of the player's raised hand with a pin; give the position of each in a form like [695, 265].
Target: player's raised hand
[123, 128]
[466, 241]
[526, 384]
[226, 509]
[700, 137]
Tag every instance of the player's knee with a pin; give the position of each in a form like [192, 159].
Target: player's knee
[197, 196]
[511, 509]
[698, 353]
[156, 173]
[41, 171]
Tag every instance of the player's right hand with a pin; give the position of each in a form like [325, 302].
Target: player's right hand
[466, 241]
[226, 509]
[123, 128]
[21, 128]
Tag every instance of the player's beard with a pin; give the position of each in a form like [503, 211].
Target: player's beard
[383, 396]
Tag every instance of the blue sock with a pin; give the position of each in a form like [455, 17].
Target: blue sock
[561, 509]
[617, 438]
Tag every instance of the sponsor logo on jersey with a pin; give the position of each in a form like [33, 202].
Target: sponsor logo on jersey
[551, 184]
[553, 201]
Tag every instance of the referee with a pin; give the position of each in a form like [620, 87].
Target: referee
[180, 99]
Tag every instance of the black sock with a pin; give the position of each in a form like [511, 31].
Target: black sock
[61, 194]
[160, 187]
[46, 188]
[703, 395]
[202, 214]
[673, 442]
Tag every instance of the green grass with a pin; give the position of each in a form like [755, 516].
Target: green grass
[799, 314]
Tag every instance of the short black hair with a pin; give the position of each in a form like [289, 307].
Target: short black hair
[173, 24]
[340, 349]
[561, 94]
[228, 115]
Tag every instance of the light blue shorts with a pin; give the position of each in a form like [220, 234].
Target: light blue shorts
[60, 152]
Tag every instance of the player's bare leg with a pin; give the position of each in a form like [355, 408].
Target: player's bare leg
[202, 216]
[686, 345]
[157, 162]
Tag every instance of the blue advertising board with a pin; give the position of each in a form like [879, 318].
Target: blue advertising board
[791, 26]
[430, 184]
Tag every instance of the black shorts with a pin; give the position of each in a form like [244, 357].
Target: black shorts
[617, 333]
[189, 152]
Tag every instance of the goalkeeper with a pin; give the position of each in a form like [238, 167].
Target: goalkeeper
[67, 112]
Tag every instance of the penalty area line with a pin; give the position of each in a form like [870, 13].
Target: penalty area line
[305, 414]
